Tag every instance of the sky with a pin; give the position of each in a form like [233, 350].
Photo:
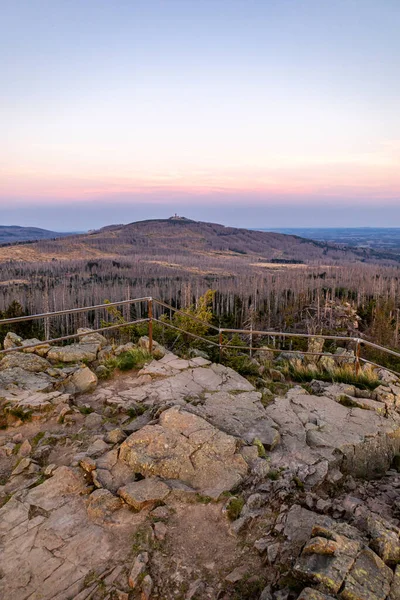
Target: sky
[258, 113]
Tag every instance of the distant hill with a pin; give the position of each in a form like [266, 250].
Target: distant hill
[178, 259]
[195, 241]
[11, 234]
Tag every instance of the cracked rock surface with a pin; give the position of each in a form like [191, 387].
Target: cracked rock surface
[179, 482]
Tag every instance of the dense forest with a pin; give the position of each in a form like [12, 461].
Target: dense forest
[270, 281]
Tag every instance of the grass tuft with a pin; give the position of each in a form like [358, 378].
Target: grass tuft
[341, 374]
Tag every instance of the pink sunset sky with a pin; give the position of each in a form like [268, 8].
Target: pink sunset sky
[195, 103]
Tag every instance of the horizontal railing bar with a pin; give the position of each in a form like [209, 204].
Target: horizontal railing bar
[70, 311]
[198, 337]
[283, 351]
[72, 336]
[369, 362]
[381, 348]
[183, 313]
[298, 335]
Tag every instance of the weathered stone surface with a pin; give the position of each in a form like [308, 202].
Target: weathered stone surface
[49, 546]
[173, 381]
[74, 353]
[97, 448]
[15, 377]
[369, 578]
[139, 567]
[144, 493]
[241, 415]
[327, 560]
[12, 340]
[124, 348]
[384, 541]
[395, 587]
[93, 420]
[25, 449]
[84, 380]
[319, 434]
[186, 447]
[102, 504]
[27, 362]
[310, 594]
[115, 436]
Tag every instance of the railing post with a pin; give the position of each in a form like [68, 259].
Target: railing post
[150, 316]
[220, 345]
[358, 353]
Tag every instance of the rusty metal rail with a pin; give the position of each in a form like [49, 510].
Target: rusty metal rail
[222, 344]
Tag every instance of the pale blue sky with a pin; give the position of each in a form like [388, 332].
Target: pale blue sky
[200, 106]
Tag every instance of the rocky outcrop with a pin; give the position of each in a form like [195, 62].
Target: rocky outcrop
[319, 435]
[132, 486]
[74, 353]
[338, 563]
[27, 362]
[184, 446]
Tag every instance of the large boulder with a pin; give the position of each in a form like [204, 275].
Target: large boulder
[186, 447]
[84, 380]
[27, 362]
[12, 340]
[74, 353]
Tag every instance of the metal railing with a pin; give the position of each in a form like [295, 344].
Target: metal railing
[222, 345]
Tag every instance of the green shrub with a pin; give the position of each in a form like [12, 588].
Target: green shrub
[234, 507]
[21, 414]
[132, 359]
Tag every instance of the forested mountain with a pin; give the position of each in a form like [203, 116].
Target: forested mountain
[11, 234]
[202, 242]
[277, 280]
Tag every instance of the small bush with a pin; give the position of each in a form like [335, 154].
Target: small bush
[234, 507]
[136, 411]
[85, 410]
[242, 364]
[132, 359]
[21, 414]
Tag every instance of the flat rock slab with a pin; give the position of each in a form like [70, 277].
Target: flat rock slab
[186, 447]
[318, 433]
[28, 362]
[49, 544]
[175, 385]
[241, 415]
[15, 377]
